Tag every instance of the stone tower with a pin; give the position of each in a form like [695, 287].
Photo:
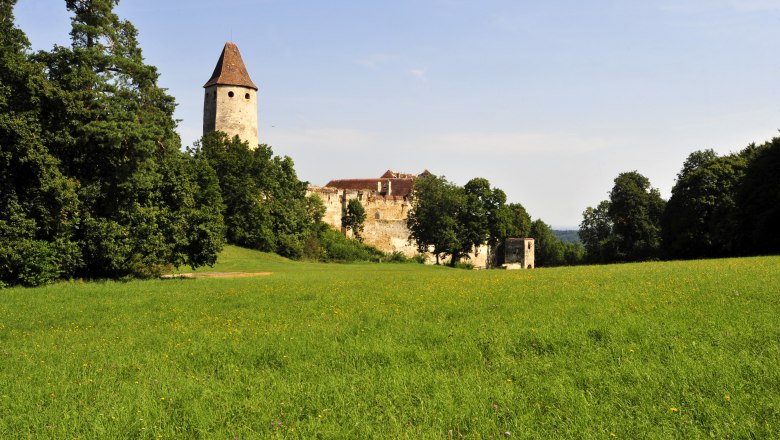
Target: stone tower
[230, 104]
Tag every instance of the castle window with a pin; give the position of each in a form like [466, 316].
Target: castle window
[230, 94]
[246, 96]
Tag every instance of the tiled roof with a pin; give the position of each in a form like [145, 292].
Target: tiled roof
[230, 69]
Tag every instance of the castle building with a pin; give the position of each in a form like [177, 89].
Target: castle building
[230, 101]
[230, 106]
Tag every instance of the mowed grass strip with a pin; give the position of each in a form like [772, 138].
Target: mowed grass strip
[653, 350]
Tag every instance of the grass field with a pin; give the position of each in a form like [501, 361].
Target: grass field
[654, 350]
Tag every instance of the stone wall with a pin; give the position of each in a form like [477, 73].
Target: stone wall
[385, 226]
[234, 115]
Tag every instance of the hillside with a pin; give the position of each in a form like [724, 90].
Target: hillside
[568, 235]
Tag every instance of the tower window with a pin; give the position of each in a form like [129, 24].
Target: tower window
[230, 94]
[246, 96]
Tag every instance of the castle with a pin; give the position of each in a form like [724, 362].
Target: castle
[230, 106]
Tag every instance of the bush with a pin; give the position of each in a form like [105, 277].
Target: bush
[463, 265]
[328, 245]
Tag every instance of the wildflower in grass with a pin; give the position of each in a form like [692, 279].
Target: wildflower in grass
[727, 397]
[673, 409]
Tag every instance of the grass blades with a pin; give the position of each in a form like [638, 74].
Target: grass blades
[652, 350]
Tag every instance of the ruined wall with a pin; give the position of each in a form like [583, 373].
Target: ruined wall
[519, 253]
[385, 226]
[235, 115]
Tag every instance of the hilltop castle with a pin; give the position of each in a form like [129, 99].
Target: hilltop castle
[230, 106]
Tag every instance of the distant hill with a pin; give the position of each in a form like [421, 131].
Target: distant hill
[568, 235]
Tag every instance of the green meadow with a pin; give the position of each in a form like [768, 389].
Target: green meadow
[652, 350]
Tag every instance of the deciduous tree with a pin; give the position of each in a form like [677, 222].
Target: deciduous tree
[353, 218]
[700, 219]
[635, 209]
[39, 210]
[433, 220]
[758, 200]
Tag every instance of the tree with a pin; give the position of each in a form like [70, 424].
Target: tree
[758, 200]
[112, 128]
[635, 209]
[700, 219]
[573, 252]
[265, 204]
[433, 220]
[353, 218]
[39, 210]
[596, 234]
[472, 215]
[549, 251]
[519, 221]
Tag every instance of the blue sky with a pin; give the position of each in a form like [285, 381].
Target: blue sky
[547, 100]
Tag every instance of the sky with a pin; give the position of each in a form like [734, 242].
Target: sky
[548, 100]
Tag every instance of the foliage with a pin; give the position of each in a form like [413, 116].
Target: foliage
[628, 226]
[265, 204]
[635, 209]
[353, 218]
[552, 251]
[700, 218]
[325, 244]
[654, 350]
[455, 221]
[116, 196]
[485, 217]
[39, 209]
[758, 200]
[519, 221]
[434, 218]
[596, 234]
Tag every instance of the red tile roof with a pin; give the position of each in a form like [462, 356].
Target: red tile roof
[230, 69]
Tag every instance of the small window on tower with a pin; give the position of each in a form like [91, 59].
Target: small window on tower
[246, 96]
[230, 94]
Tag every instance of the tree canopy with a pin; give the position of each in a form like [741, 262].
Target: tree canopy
[95, 184]
[627, 227]
[353, 218]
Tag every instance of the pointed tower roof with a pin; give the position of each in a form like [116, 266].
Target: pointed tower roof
[230, 69]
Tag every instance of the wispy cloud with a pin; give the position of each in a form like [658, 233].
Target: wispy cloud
[419, 74]
[377, 61]
[466, 142]
[321, 139]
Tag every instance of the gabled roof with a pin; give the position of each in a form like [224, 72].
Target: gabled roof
[230, 69]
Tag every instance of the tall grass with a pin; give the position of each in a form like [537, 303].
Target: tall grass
[654, 350]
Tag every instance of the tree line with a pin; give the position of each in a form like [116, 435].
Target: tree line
[720, 206]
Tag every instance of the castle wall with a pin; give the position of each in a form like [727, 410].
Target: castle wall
[234, 115]
[385, 225]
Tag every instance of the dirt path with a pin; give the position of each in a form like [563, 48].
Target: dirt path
[215, 275]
